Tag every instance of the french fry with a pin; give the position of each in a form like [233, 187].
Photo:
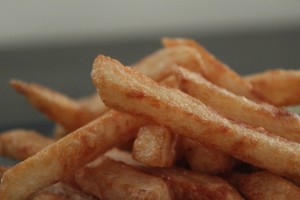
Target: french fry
[155, 146]
[275, 120]
[279, 87]
[159, 64]
[124, 89]
[112, 180]
[189, 185]
[67, 112]
[207, 160]
[20, 144]
[68, 154]
[264, 186]
[59, 132]
[214, 70]
[122, 156]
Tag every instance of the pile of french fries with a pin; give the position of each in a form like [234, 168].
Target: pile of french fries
[178, 124]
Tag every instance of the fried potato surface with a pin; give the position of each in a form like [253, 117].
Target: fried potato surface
[189, 185]
[279, 87]
[125, 89]
[207, 160]
[66, 155]
[58, 107]
[275, 120]
[155, 146]
[158, 65]
[113, 180]
[20, 143]
[214, 70]
[264, 186]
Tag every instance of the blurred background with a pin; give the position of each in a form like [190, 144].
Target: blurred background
[54, 42]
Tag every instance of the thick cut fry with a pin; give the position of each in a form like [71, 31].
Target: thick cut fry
[264, 186]
[279, 87]
[207, 160]
[275, 120]
[216, 71]
[155, 146]
[20, 144]
[188, 185]
[58, 107]
[124, 89]
[68, 154]
[113, 180]
[159, 64]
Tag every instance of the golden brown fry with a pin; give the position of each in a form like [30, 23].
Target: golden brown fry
[189, 185]
[20, 144]
[68, 154]
[207, 160]
[124, 89]
[159, 64]
[264, 186]
[155, 146]
[113, 180]
[279, 87]
[214, 70]
[58, 107]
[275, 120]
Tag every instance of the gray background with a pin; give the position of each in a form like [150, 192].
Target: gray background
[54, 42]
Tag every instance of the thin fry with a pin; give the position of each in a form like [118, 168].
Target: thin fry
[214, 70]
[159, 64]
[125, 89]
[68, 154]
[275, 120]
[58, 107]
[20, 144]
[279, 87]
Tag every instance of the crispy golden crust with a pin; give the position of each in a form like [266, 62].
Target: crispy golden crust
[279, 87]
[214, 70]
[275, 120]
[113, 180]
[264, 186]
[189, 185]
[66, 155]
[125, 89]
[21, 144]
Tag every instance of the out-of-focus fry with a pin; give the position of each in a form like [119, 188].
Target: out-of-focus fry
[275, 120]
[279, 87]
[207, 160]
[214, 70]
[58, 107]
[264, 186]
[61, 191]
[20, 144]
[124, 89]
[112, 180]
[59, 132]
[189, 185]
[155, 146]
[68, 154]
[158, 65]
